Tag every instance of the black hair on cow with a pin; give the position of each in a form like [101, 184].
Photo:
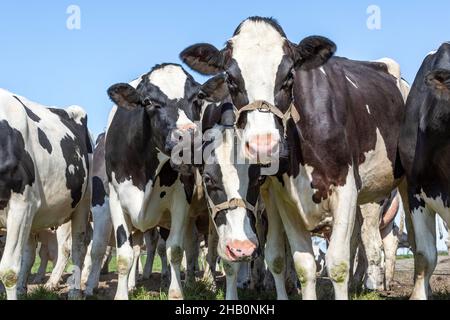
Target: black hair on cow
[271, 21]
[228, 116]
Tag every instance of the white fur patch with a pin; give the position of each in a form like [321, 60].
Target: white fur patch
[171, 80]
[183, 120]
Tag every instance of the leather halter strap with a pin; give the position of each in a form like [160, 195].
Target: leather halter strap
[264, 106]
[227, 205]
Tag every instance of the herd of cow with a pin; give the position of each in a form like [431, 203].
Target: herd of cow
[348, 140]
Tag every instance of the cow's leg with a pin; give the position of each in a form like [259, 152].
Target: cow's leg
[231, 274]
[174, 244]
[343, 206]
[137, 244]
[390, 245]
[87, 264]
[18, 223]
[44, 256]
[373, 244]
[361, 267]
[100, 239]
[190, 244]
[27, 263]
[151, 238]
[122, 230]
[301, 248]
[211, 255]
[106, 260]
[165, 272]
[275, 249]
[425, 256]
[62, 236]
[80, 222]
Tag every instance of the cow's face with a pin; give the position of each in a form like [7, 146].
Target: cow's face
[225, 181]
[259, 63]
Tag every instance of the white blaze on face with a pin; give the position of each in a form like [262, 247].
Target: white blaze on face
[235, 183]
[258, 51]
[171, 80]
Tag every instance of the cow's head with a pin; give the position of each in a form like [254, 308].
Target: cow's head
[259, 61]
[173, 102]
[232, 189]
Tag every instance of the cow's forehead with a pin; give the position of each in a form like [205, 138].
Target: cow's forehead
[171, 80]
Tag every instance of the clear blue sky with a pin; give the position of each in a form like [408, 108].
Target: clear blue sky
[119, 40]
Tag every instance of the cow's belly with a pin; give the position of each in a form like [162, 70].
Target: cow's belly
[152, 207]
[377, 174]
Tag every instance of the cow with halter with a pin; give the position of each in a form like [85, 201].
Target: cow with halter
[332, 126]
[146, 188]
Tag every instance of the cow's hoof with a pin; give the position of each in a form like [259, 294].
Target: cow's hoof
[75, 294]
[175, 295]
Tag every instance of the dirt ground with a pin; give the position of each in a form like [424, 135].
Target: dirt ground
[401, 288]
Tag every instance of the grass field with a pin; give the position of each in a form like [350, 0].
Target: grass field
[202, 290]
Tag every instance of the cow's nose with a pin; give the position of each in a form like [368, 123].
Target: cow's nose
[187, 127]
[240, 250]
[262, 146]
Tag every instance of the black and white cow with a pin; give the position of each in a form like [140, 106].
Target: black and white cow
[331, 123]
[145, 191]
[45, 156]
[425, 155]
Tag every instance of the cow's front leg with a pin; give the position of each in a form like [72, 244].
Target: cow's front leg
[124, 250]
[275, 248]
[151, 238]
[174, 244]
[343, 206]
[390, 245]
[191, 252]
[27, 263]
[425, 256]
[138, 238]
[372, 242]
[80, 222]
[44, 256]
[63, 238]
[231, 274]
[19, 219]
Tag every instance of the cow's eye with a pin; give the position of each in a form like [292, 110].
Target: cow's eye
[287, 84]
[201, 95]
[207, 180]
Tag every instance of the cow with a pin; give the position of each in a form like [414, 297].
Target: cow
[45, 164]
[331, 124]
[425, 156]
[147, 188]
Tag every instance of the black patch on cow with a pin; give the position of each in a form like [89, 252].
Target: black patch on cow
[44, 142]
[30, 113]
[121, 236]
[335, 131]
[163, 194]
[167, 176]
[164, 233]
[76, 152]
[16, 164]
[98, 192]
[271, 21]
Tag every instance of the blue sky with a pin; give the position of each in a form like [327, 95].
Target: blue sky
[119, 40]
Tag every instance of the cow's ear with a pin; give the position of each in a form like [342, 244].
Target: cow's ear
[439, 82]
[203, 58]
[215, 89]
[314, 51]
[125, 96]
